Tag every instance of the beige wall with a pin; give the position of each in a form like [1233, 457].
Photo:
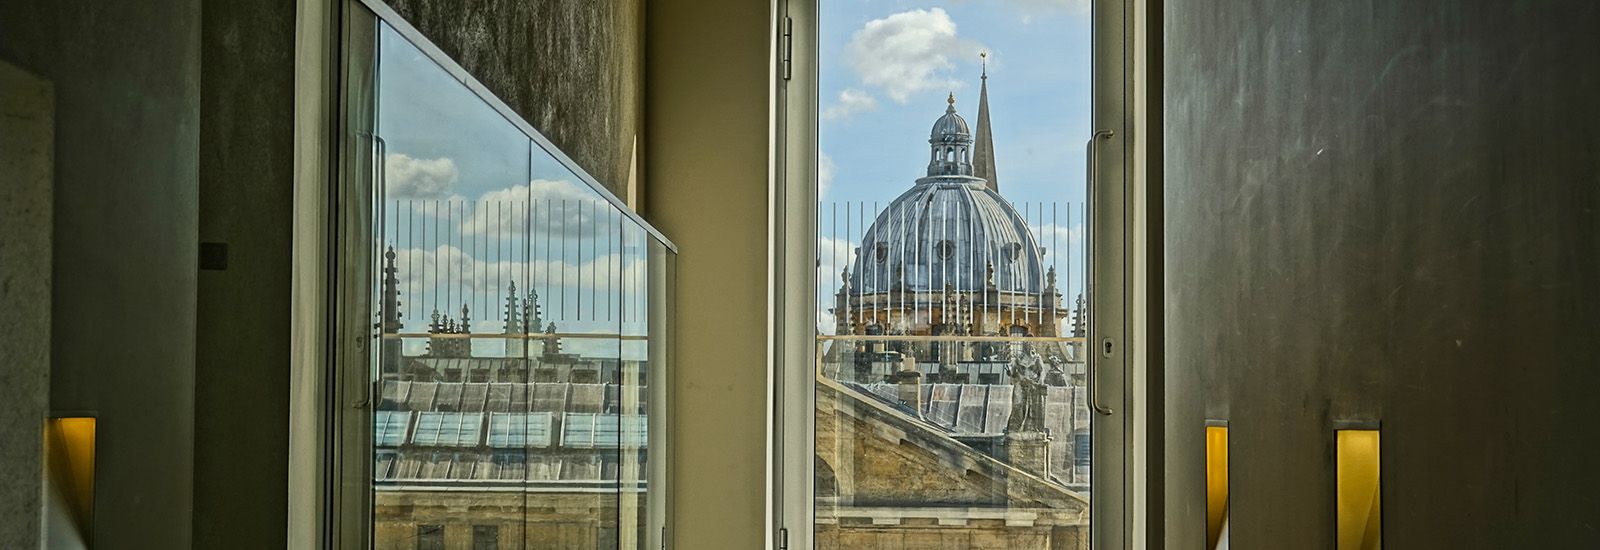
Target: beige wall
[706, 129]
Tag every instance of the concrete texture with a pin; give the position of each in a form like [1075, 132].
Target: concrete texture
[27, 139]
[241, 342]
[706, 131]
[572, 68]
[1385, 211]
[126, 77]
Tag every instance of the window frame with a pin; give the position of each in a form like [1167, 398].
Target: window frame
[1119, 201]
[332, 436]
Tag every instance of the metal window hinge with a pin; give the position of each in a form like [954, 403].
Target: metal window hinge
[783, 539]
[786, 45]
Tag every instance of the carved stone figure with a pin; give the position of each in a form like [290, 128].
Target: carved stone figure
[1028, 392]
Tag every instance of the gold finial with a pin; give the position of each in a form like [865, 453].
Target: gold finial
[952, 99]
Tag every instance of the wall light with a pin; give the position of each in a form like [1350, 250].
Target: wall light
[1359, 495]
[1216, 484]
[69, 444]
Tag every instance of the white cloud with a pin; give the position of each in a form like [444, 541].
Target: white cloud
[408, 177]
[850, 102]
[557, 204]
[909, 52]
[825, 171]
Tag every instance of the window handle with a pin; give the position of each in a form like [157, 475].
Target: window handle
[1107, 350]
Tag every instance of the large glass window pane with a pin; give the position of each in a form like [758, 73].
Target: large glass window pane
[456, 302]
[951, 396]
[577, 360]
[633, 428]
[516, 308]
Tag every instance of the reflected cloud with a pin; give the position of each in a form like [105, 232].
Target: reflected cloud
[409, 177]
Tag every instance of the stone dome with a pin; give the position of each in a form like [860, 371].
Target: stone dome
[947, 231]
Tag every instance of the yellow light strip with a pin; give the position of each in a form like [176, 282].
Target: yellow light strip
[1359, 491]
[1216, 485]
[70, 456]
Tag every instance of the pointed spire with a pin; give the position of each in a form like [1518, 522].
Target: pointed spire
[983, 152]
[532, 310]
[1080, 318]
[513, 346]
[513, 313]
[391, 294]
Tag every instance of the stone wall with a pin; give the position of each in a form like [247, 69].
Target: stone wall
[574, 69]
[889, 481]
[122, 342]
[27, 139]
[544, 519]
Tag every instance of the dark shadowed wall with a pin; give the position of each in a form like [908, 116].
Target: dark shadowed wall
[122, 345]
[241, 366]
[573, 68]
[1386, 211]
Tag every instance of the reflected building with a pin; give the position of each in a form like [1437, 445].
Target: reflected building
[535, 448]
[951, 402]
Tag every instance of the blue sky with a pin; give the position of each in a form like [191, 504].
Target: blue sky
[448, 151]
[1039, 55]
[885, 70]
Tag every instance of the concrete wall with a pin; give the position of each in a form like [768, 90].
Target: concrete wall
[27, 140]
[246, 193]
[1385, 211]
[126, 77]
[706, 130]
[572, 68]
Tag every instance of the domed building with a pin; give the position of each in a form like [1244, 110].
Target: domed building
[949, 256]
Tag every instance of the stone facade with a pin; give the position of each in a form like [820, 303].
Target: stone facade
[27, 158]
[886, 479]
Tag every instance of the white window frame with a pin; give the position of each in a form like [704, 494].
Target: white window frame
[1118, 207]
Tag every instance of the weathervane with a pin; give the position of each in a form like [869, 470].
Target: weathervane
[984, 60]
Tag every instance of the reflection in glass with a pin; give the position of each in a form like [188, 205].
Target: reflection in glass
[514, 319]
[950, 391]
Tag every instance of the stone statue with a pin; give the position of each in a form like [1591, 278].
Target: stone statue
[1056, 376]
[1028, 392]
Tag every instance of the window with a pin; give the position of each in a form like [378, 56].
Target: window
[448, 429]
[507, 284]
[485, 537]
[519, 430]
[590, 431]
[430, 537]
[953, 335]
[390, 428]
